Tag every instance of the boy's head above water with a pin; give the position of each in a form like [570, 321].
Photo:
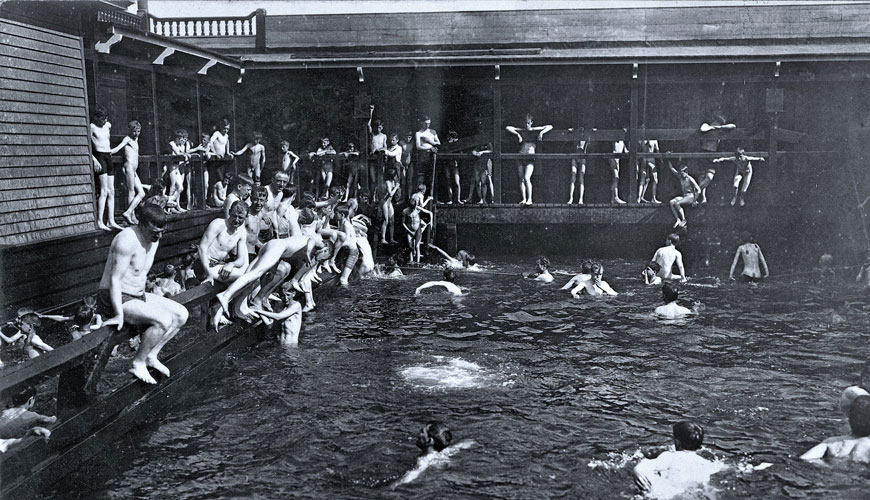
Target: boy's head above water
[449, 275]
[670, 293]
[434, 435]
[689, 435]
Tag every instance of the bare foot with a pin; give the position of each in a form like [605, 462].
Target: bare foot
[617, 201]
[157, 365]
[129, 218]
[742, 203]
[733, 201]
[140, 371]
[114, 225]
[103, 227]
[308, 307]
[223, 300]
[217, 314]
[384, 242]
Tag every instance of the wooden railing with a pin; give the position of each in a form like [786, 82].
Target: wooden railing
[206, 27]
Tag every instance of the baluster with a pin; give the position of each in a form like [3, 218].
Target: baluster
[182, 28]
[238, 25]
[173, 28]
[222, 28]
[197, 28]
[231, 27]
[253, 22]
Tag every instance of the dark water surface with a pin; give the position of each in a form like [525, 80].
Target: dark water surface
[556, 393]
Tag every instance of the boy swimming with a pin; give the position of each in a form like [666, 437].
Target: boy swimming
[434, 441]
[650, 274]
[672, 310]
[672, 473]
[855, 447]
[448, 283]
[542, 271]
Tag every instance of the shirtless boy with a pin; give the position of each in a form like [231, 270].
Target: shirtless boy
[426, 144]
[584, 276]
[743, 174]
[102, 152]
[258, 156]
[241, 192]
[414, 227]
[528, 136]
[135, 191]
[377, 149]
[619, 148]
[289, 159]
[710, 144]
[222, 254]
[751, 254]
[672, 473]
[690, 190]
[855, 447]
[672, 310]
[648, 171]
[122, 298]
[667, 256]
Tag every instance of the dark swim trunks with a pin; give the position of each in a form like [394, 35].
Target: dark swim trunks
[105, 160]
[750, 279]
[104, 302]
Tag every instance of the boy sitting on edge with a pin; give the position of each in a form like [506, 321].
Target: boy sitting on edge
[672, 310]
[673, 472]
[855, 447]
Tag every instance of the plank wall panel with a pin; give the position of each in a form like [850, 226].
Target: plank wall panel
[47, 188]
[632, 25]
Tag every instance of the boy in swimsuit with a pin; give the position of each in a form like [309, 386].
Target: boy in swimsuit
[528, 138]
[648, 171]
[751, 254]
[743, 174]
[854, 447]
[326, 166]
[102, 152]
[352, 167]
[578, 168]
[690, 190]
[377, 149]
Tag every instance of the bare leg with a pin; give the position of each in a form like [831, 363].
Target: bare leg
[520, 172]
[745, 187]
[573, 180]
[708, 178]
[328, 181]
[614, 184]
[655, 185]
[527, 179]
[279, 274]
[101, 201]
[642, 184]
[458, 188]
[110, 204]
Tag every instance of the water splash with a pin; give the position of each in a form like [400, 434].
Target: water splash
[451, 373]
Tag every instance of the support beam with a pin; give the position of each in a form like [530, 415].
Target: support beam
[632, 141]
[204, 70]
[106, 47]
[168, 51]
[496, 142]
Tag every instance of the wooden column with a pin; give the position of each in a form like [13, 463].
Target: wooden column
[155, 172]
[496, 141]
[632, 142]
[233, 128]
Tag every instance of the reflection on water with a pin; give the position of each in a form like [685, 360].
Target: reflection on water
[547, 386]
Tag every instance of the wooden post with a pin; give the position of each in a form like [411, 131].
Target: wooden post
[156, 172]
[234, 128]
[203, 198]
[496, 141]
[633, 142]
[261, 30]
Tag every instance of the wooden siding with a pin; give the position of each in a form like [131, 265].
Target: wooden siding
[46, 180]
[549, 27]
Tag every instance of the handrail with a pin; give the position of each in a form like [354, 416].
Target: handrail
[192, 27]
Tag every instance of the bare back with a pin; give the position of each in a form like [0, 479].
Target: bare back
[219, 242]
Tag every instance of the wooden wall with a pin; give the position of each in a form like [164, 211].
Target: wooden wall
[547, 27]
[46, 180]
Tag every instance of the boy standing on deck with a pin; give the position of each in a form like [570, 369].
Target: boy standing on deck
[743, 174]
[135, 191]
[751, 254]
[258, 156]
[690, 189]
[666, 256]
[100, 132]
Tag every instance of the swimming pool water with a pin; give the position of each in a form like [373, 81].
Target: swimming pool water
[557, 394]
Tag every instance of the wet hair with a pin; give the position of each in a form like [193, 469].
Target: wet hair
[158, 186]
[377, 123]
[133, 125]
[258, 136]
[689, 435]
[229, 177]
[421, 188]
[740, 151]
[529, 116]
[223, 123]
[306, 216]
[439, 434]
[244, 179]
[238, 204]
[470, 259]
[153, 214]
[390, 174]
[179, 132]
[100, 112]
[654, 266]
[449, 274]
[84, 315]
[859, 416]
[543, 262]
[670, 293]
[596, 269]
[746, 237]
[586, 266]
[674, 238]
